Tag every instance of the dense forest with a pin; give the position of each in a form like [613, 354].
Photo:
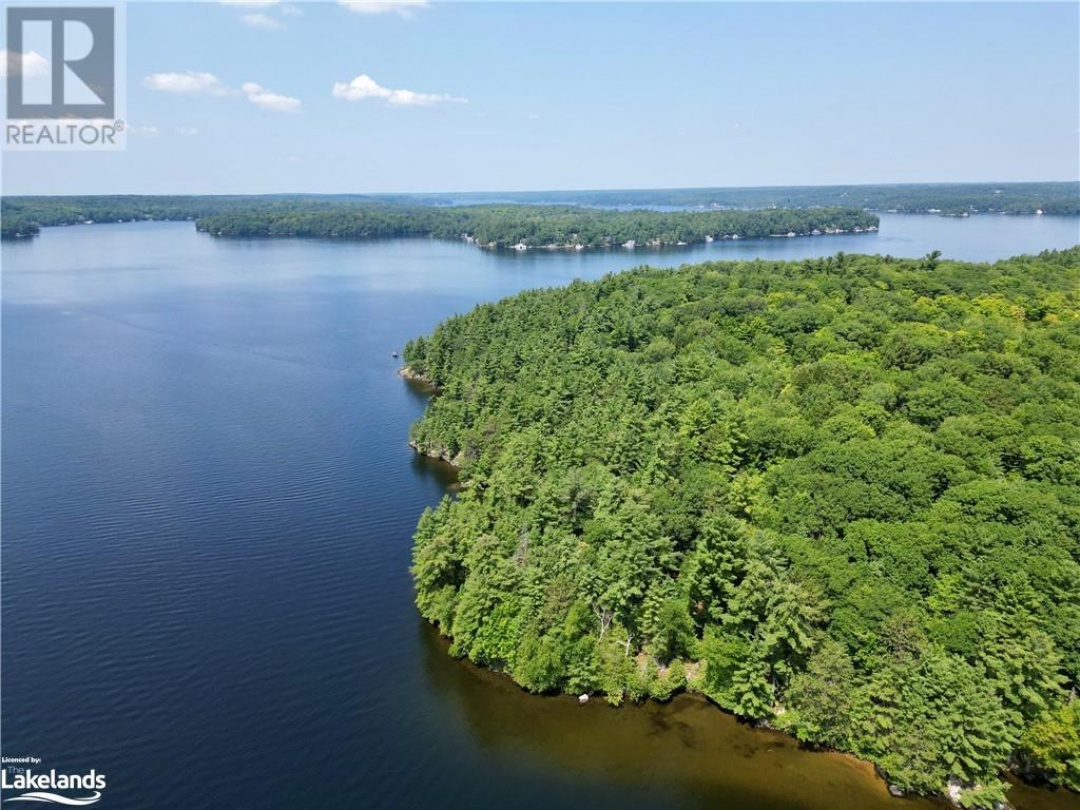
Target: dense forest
[839, 496]
[541, 225]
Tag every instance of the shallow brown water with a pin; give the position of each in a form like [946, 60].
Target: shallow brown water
[1029, 797]
[703, 755]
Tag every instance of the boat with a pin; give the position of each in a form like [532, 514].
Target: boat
[393, 354]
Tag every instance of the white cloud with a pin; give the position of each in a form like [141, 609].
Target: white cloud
[260, 20]
[363, 86]
[195, 82]
[258, 16]
[31, 64]
[187, 130]
[262, 97]
[189, 82]
[404, 8]
[150, 131]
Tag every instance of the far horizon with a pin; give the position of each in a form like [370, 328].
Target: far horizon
[527, 191]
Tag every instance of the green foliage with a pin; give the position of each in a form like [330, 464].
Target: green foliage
[1050, 747]
[837, 495]
[930, 718]
[819, 697]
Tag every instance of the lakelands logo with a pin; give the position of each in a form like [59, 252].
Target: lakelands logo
[76, 790]
[63, 68]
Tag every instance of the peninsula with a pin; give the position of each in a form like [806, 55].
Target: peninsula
[836, 496]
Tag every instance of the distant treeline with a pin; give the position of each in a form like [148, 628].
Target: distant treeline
[538, 226]
[947, 199]
[362, 217]
[24, 216]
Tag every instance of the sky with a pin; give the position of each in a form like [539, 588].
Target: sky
[266, 97]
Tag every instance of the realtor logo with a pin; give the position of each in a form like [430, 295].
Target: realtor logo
[80, 45]
[64, 70]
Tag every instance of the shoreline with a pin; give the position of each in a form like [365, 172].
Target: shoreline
[877, 212]
[705, 714]
[947, 796]
[524, 247]
[686, 689]
[656, 244]
[871, 769]
[419, 381]
[428, 388]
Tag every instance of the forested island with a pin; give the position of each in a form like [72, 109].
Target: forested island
[840, 497]
[539, 226]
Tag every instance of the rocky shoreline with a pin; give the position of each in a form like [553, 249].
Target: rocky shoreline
[442, 453]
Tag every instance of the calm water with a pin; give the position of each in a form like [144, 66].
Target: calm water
[207, 510]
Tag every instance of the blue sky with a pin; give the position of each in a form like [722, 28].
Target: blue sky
[459, 96]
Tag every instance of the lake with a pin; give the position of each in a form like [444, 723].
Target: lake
[208, 503]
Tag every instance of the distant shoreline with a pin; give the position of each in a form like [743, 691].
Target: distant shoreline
[27, 214]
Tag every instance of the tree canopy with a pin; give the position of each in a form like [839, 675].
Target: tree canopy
[841, 496]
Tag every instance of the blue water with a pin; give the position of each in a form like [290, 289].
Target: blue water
[208, 502]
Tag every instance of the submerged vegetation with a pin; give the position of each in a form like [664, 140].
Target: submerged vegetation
[840, 496]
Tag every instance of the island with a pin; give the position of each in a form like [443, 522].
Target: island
[840, 497]
[531, 227]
